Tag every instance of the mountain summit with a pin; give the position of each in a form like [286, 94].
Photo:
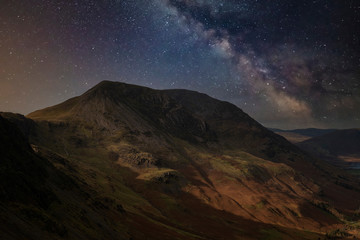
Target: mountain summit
[186, 114]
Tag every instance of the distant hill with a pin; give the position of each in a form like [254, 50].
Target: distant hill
[341, 147]
[300, 135]
[169, 164]
[309, 132]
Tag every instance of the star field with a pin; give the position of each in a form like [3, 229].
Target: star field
[288, 64]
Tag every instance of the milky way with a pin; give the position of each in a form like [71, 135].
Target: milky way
[289, 64]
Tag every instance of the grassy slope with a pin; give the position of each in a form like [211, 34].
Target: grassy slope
[97, 169]
[146, 193]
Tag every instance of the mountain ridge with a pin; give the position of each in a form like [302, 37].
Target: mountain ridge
[128, 98]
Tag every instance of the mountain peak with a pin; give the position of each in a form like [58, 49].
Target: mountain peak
[107, 85]
[182, 113]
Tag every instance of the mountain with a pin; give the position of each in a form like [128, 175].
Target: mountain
[300, 135]
[167, 164]
[341, 147]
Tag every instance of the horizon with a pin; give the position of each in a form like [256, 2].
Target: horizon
[271, 128]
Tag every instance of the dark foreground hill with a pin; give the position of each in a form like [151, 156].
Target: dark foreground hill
[176, 164]
[41, 201]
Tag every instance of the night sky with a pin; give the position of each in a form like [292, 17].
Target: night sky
[288, 64]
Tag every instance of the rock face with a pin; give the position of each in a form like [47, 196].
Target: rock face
[180, 164]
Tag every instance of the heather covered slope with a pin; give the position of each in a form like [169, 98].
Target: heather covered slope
[189, 163]
[45, 196]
